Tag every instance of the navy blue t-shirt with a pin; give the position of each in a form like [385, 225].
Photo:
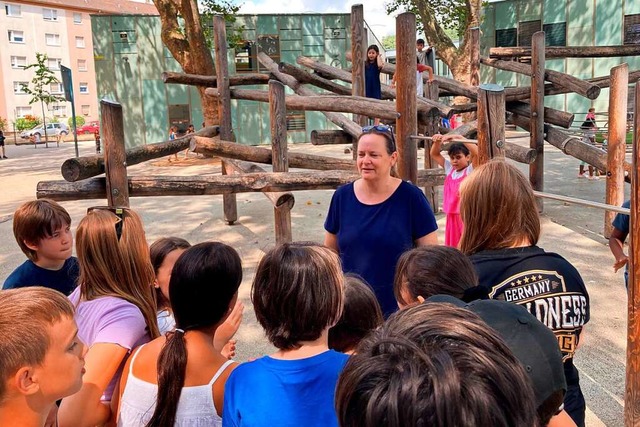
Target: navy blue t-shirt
[371, 238]
[372, 85]
[621, 221]
[29, 274]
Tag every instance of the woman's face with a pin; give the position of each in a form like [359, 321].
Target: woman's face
[371, 54]
[164, 272]
[373, 161]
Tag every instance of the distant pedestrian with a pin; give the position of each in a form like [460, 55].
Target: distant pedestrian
[96, 135]
[190, 129]
[2, 138]
[589, 127]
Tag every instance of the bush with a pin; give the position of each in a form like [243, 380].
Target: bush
[79, 121]
[27, 122]
[3, 124]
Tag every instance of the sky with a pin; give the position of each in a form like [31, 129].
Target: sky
[374, 11]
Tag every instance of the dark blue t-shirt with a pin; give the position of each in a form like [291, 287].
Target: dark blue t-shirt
[372, 88]
[371, 238]
[29, 274]
[284, 393]
[621, 221]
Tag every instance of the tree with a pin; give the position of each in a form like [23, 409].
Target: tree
[437, 19]
[41, 84]
[190, 42]
[389, 42]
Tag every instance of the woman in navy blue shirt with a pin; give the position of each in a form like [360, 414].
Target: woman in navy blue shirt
[374, 219]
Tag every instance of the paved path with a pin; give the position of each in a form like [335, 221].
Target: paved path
[571, 231]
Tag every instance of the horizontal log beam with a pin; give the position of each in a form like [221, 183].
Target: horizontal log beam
[568, 51]
[551, 115]
[326, 137]
[352, 104]
[211, 81]
[215, 147]
[278, 199]
[80, 168]
[304, 76]
[156, 186]
[574, 84]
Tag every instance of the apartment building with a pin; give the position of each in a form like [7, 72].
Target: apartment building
[62, 30]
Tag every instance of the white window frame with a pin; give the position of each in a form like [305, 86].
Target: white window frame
[17, 88]
[82, 65]
[49, 14]
[59, 110]
[13, 10]
[18, 61]
[80, 42]
[77, 18]
[13, 38]
[56, 88]
[23, 111]
[53, 63]
[85, 109]
[52, 39]
[85, 86]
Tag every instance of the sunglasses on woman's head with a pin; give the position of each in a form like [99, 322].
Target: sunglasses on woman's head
[382, 129]
[117, 211]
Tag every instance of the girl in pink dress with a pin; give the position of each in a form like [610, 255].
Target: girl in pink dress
[457, 168]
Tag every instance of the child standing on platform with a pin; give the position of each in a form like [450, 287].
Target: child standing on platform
[457, 168]
[372, 67]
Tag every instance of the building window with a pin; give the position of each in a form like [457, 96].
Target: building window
[53, 63]
[56, 88]
[23, 111]
[18, 87]
[77, 18]
[526, 30]
[49, 14]
[632, 29]
[84, 88]
[52, 39]
[295, 120]
[18, 61]
[59, 110]
[246, 58]
[507, 37]
[12, 10]
[82, 65]
[16, 36]
[555, 34]
[80, 42]
[86, 110]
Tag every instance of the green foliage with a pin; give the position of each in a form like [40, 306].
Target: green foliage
[3, 124]
[228, 10]
[451, 14]
[80, 121]
[389, 42]
[27, 122]
[41, 82]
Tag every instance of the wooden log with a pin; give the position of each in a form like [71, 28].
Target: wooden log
[157, 186]
[326, 137]
[215, 147]
[115, 160]
[230, 206]
[574, 84]
[352, 104]
[406, 96]
[491, 115]
[474, 56]
[431, 128]
[536, 119]
[616, 151]
[278, 199]
[304, 76]
[358, 46]
[279, 155]
[551, 115]
[79, 168]
[632, 375]
[212, 81]
[568, 51]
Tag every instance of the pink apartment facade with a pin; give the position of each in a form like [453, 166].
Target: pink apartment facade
[62, 30]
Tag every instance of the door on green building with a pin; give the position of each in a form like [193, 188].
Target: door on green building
[180, 117]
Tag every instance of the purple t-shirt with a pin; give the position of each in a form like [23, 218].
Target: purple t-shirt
[109, 320]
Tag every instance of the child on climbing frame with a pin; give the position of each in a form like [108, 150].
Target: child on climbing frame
[372, 66]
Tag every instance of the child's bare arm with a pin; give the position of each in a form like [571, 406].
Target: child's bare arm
[436, 149]
[380, 61]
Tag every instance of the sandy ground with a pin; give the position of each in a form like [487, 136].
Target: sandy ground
[574, 232]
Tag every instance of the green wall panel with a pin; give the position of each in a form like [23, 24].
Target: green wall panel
[315, 120]
[265, 125]
[291, 22]
[291, 45]
[555, 101]
[581, 68]
[313, 40]
[580, 13]
[295, 35]
[631, 7]
[530, 10]
[578, 104]
[267, 24]
[313, 51]
[580, 36]
[156, 119]
[248, 21]
[248, 113]
[334, 21]
[554, 11]
[150, 48]
[505, 78]
[103, 57]
[197, 117]
[608, 22]
[601, 104]
[506, 15]
[297, 137]
[289, 56]
[312, 25]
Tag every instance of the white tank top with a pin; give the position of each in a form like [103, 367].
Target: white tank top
[195, 407]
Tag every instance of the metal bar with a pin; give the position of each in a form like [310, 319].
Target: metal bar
[582, 202]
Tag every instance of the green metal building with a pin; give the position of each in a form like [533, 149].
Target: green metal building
[130, 58]
[566, 23]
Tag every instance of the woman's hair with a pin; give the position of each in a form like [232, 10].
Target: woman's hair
[498, 209]
[457, 148]
[389, 138]
[116, 265]
[434, 365]
[297, 293]
[204, 282]
[361, 315]
[158, 251]
[435, 270]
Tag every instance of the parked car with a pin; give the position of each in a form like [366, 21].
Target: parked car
[53, 130]
[89, 128]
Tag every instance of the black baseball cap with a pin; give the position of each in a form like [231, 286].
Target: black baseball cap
[531, 342]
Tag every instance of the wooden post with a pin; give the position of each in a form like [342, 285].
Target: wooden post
[278, 117]
[358, 55]
[536, 135]
[432, 127]
[475, 56]
[115, 158]
[618, 99]
[632, 383]
[491, 116]
[406, 99]
[224, 108]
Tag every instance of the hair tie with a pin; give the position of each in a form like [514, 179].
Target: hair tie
[179, 330]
